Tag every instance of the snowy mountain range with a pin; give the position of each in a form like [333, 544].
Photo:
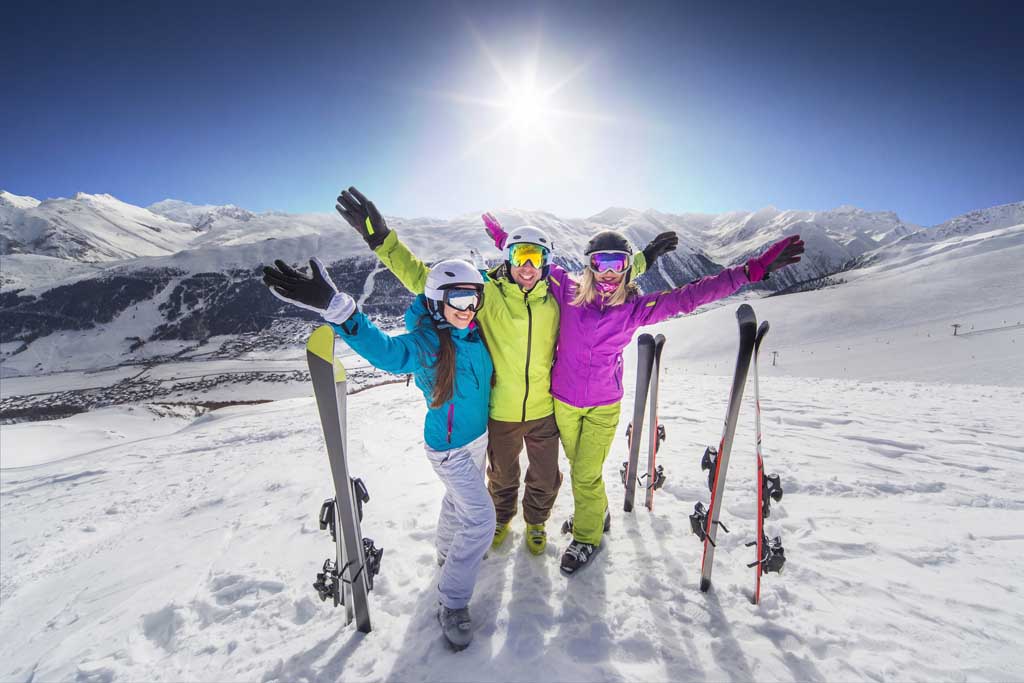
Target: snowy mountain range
[92, 281]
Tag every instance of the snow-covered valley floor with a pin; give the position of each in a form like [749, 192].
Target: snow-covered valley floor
[190, 556]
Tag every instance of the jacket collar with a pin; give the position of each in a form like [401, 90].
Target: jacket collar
[503, 278]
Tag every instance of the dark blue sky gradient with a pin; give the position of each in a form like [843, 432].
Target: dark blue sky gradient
[915, 108]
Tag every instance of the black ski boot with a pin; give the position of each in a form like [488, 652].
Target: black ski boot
[577, 556]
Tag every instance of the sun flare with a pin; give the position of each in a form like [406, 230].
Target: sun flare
[525, 106]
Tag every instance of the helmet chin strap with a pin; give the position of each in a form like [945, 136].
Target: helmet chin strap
[436, 310]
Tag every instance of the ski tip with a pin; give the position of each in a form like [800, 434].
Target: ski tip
[745, 315]
[705, 584]
[761, 331]
[645, 339]
[659, 340]
[321, 343]
[339, 371]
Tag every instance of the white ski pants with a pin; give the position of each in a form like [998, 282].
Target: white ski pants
[465, 527]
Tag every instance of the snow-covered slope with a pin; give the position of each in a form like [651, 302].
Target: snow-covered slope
[88, 227]
[890, 314]
[189, 556]
[982, 220]
[35, 272]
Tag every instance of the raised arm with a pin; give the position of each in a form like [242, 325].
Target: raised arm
[405, 265]
[363, 216]
[317, 292]
[399, 355]
[654, 308]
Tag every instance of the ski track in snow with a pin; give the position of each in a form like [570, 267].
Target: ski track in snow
[190, 556]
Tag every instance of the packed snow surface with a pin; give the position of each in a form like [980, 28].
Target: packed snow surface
[190, 556]
[188, 552]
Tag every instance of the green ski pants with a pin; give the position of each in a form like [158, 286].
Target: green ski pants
[587, 435]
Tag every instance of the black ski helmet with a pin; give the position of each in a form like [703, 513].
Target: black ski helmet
[608, 240]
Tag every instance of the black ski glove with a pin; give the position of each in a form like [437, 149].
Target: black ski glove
[314, 292]
[659, 246]
[362, 215]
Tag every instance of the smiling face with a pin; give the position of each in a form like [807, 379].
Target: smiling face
[456, 318]
[609, 277]
[526, 276]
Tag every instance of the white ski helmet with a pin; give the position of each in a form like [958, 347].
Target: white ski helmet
[445, 275]
[530, 235]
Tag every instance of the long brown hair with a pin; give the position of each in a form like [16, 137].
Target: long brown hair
[444, 364]
[444, 368]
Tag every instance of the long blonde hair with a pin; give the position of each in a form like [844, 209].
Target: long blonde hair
[586, 290]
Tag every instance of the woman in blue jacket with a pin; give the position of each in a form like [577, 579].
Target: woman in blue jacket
[445, 351]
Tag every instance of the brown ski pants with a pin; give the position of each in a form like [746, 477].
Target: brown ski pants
[543, 477]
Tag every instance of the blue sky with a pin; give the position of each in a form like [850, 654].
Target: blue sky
[430, 108]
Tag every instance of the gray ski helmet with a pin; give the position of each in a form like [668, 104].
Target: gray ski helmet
[608, 240]
[529, 234]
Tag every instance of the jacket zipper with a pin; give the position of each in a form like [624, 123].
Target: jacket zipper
[451, 418]
[529, 348]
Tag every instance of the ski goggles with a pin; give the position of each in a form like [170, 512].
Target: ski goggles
[614, 261]
[521, 253]
[464, 299]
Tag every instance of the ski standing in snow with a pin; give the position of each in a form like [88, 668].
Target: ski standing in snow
[705, 521]
[770, 555]
[654, 479]
[456, 385]
[348, 579]
[648, 368]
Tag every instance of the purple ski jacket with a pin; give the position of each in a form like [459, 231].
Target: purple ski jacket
[588, 358]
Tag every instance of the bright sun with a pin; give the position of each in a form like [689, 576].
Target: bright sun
[526, 114]
[525, 106]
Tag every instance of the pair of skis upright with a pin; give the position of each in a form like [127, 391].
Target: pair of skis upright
[705, 521]
[349, 578]
[646, 398]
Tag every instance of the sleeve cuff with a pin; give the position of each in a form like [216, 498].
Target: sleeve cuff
[340, 309]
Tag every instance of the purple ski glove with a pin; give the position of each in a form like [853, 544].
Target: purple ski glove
[494, 230]
[783, 253]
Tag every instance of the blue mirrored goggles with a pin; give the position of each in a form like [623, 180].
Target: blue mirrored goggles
[464, 299]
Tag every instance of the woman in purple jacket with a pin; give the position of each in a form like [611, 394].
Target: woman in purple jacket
[599, 315]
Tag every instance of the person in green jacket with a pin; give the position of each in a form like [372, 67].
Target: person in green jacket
[521, 324]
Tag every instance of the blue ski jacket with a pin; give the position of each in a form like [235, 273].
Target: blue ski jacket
[463, 418]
